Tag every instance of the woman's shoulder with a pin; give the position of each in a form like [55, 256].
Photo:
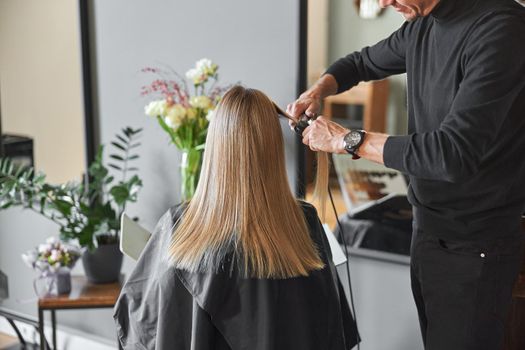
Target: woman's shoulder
[176, 211]
[308, 208]
[310, 214]
[171, 216]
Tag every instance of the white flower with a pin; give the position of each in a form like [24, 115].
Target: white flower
[196, 76]
[192, 73]
[44, 248]
[156, 108]
[175, 116]
[52, 240]
[203, 63]
[210, 115]
[206, 66]
[202, 102]
[30, 258]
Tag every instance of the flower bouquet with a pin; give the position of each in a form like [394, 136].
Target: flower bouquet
[53, 260]
[185, 116]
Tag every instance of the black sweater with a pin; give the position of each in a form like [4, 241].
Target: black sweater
[465, 152]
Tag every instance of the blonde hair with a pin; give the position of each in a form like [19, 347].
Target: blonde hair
[243, 203]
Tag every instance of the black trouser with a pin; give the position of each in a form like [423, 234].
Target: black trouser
[463, 290]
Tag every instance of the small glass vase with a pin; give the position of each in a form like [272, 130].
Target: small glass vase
[190, 167]
[45, 284]
[53, 283]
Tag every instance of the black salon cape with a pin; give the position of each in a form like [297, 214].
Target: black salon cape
[161, 307]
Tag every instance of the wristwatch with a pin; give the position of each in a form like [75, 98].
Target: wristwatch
[352, 141]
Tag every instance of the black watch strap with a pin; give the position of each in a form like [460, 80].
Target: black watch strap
[352, 141]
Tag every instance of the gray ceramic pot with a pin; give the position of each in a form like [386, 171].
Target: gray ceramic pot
[103, 264]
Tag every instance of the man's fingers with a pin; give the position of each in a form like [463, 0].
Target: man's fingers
[306, 140]
[313, 110]
[298, 108]
[306, 136]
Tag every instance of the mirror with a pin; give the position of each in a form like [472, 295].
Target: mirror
[41, 97]
[42, 122]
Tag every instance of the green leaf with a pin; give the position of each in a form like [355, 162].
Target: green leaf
[62, 206]
[122, 139]
[42, 204]
[6, 205]
[115, 166]
[5, 165]
[117, 157]
[120, 194]
[10, 168]
[136, 131]
[118, 145]
[19, 171]
[135, 156]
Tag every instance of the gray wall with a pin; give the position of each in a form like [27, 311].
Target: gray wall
[348, 33]
[254, 42]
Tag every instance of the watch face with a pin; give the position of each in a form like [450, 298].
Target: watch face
[352, 139]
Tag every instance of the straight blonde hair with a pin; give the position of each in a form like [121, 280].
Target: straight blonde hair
[243, 204]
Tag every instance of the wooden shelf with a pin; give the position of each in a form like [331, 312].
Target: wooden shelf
[373, 96]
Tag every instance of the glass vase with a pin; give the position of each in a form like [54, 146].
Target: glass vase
[45, 284]
[190, 168]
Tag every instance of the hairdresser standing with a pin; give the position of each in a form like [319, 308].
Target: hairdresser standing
[465, 65]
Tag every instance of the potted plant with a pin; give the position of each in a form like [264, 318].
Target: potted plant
[87, 211]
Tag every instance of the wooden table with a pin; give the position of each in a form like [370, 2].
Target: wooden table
[83, 295]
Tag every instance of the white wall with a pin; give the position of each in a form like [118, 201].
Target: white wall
[255, 43]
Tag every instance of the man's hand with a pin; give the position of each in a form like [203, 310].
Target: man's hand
[325, 135]
[309, 102]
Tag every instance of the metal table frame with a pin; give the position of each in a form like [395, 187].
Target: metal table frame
[43, 341]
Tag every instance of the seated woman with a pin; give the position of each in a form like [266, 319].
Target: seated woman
[243, 265]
